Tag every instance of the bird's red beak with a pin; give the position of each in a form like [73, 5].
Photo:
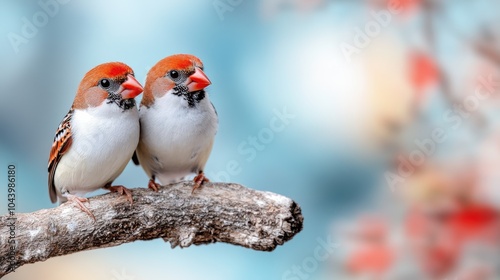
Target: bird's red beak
[131, 88]
[198, 80]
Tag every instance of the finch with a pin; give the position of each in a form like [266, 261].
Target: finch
[97, 137]
[178, 122]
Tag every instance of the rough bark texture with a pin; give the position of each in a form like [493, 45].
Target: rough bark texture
[217, 212]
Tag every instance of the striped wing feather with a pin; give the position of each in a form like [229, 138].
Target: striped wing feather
[62, 142]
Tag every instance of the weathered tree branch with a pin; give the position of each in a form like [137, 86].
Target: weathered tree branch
[217, 212]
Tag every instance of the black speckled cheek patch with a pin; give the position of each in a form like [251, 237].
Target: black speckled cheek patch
[125, 104]
[195, 97]
[191, 97]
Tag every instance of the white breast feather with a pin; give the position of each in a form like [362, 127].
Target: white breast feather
[176, 138]
[104, 139]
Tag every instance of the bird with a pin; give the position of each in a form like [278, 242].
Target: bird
[178, 122]
[97, 137]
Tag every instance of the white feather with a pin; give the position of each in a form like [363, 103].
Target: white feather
[104, 139]
[176, 140]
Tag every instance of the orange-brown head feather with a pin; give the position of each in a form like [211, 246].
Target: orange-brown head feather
[89, 94]
[156, 83]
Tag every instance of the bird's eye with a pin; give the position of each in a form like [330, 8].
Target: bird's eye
[104, 83]
[174, 74]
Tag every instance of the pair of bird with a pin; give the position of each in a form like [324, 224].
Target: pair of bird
[171, 136]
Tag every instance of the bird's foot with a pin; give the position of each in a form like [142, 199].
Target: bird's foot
[153, 185]
[199, 180]
[122, 191]
[78, 202]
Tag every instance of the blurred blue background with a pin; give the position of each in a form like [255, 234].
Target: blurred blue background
[354, 109]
